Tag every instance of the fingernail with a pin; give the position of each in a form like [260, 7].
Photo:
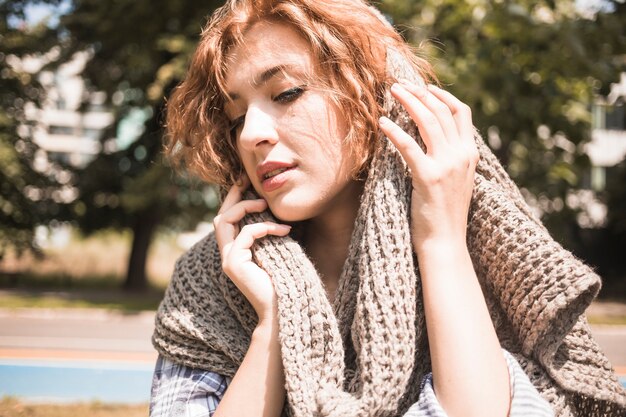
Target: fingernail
[419, 83]
[383, 120]
[397, 87]
[417, 88]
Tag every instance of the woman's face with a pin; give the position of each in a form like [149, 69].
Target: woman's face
[288, 132]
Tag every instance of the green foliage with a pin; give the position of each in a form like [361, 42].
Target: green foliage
[25, 194]
[137, 56]
[529, 71]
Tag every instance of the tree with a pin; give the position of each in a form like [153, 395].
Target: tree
[529, 71]
[137, 56]
[27, 195]
[135, 64]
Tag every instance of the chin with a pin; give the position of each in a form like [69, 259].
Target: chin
[289, 214]
[292, 211]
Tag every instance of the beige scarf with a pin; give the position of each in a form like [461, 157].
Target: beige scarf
[365, 354]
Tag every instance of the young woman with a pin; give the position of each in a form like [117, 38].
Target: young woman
[343, 277]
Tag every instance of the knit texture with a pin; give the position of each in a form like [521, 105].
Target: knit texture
[366, 353]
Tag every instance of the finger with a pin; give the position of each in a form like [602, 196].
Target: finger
[427, 123]
[237, 212]
[226, 224]
[440, 109]
[406, 145]
[235, 193]
[244, 181]
[251, 232]
[460, 111]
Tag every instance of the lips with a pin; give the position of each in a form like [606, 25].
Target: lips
[273, 174]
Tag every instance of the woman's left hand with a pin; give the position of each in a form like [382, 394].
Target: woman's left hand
[443, 176]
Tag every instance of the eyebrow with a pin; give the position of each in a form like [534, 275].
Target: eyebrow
[264, 77]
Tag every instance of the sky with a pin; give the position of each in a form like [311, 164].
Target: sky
[36, 13]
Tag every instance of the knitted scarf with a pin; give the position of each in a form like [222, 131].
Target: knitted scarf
[365, 353]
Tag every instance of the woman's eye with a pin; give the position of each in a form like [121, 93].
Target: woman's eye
[236, 124]
[289, 95]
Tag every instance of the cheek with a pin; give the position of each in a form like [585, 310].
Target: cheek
[248, 166]
[325, 128]
[337, 130]
[342, 151]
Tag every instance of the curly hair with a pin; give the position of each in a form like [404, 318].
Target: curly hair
[349, 41]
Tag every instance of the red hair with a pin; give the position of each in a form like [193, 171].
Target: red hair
[349, 40]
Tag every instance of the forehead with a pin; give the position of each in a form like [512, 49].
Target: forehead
[266, 45]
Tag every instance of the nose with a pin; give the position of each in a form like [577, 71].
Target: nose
[258, 128]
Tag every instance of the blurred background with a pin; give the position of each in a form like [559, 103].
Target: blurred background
[92, 218]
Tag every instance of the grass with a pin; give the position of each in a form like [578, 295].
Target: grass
[10, 407]
[100, 257]
[607, 312]
[85, 273]
[610, 320]
[88, 273]
[107, 299]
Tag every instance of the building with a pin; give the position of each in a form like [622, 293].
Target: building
[72, 120]
[608, 136]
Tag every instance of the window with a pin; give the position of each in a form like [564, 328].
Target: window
[59, 157]
[615, 117]
[97, 102]
[61, 104]
[61, 130]
[611, 117]
[92, 133]
[97, 107]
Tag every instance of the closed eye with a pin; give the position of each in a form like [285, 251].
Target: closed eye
[289, 95]
[285, 97]
[236, 124]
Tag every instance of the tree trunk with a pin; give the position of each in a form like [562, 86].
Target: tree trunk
[143, 230]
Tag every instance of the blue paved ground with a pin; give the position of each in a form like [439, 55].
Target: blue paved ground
[67, 381]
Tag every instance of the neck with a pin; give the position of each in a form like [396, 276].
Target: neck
[327, 237]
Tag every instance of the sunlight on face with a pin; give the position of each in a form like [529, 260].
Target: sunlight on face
[288, 132]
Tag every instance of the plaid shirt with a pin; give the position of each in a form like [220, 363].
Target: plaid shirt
[180, 391]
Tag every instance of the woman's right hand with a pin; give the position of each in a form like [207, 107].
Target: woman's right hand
[234, 244]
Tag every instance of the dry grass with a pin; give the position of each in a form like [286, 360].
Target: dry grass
[607, 312]
[96, 261]
[86, 273]
[110, 299]
[10, 407]
[100, 255]
[606, 320]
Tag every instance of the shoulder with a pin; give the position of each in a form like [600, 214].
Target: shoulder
[525, 399]
[207, 246]
[181, 390]
[200, 262]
